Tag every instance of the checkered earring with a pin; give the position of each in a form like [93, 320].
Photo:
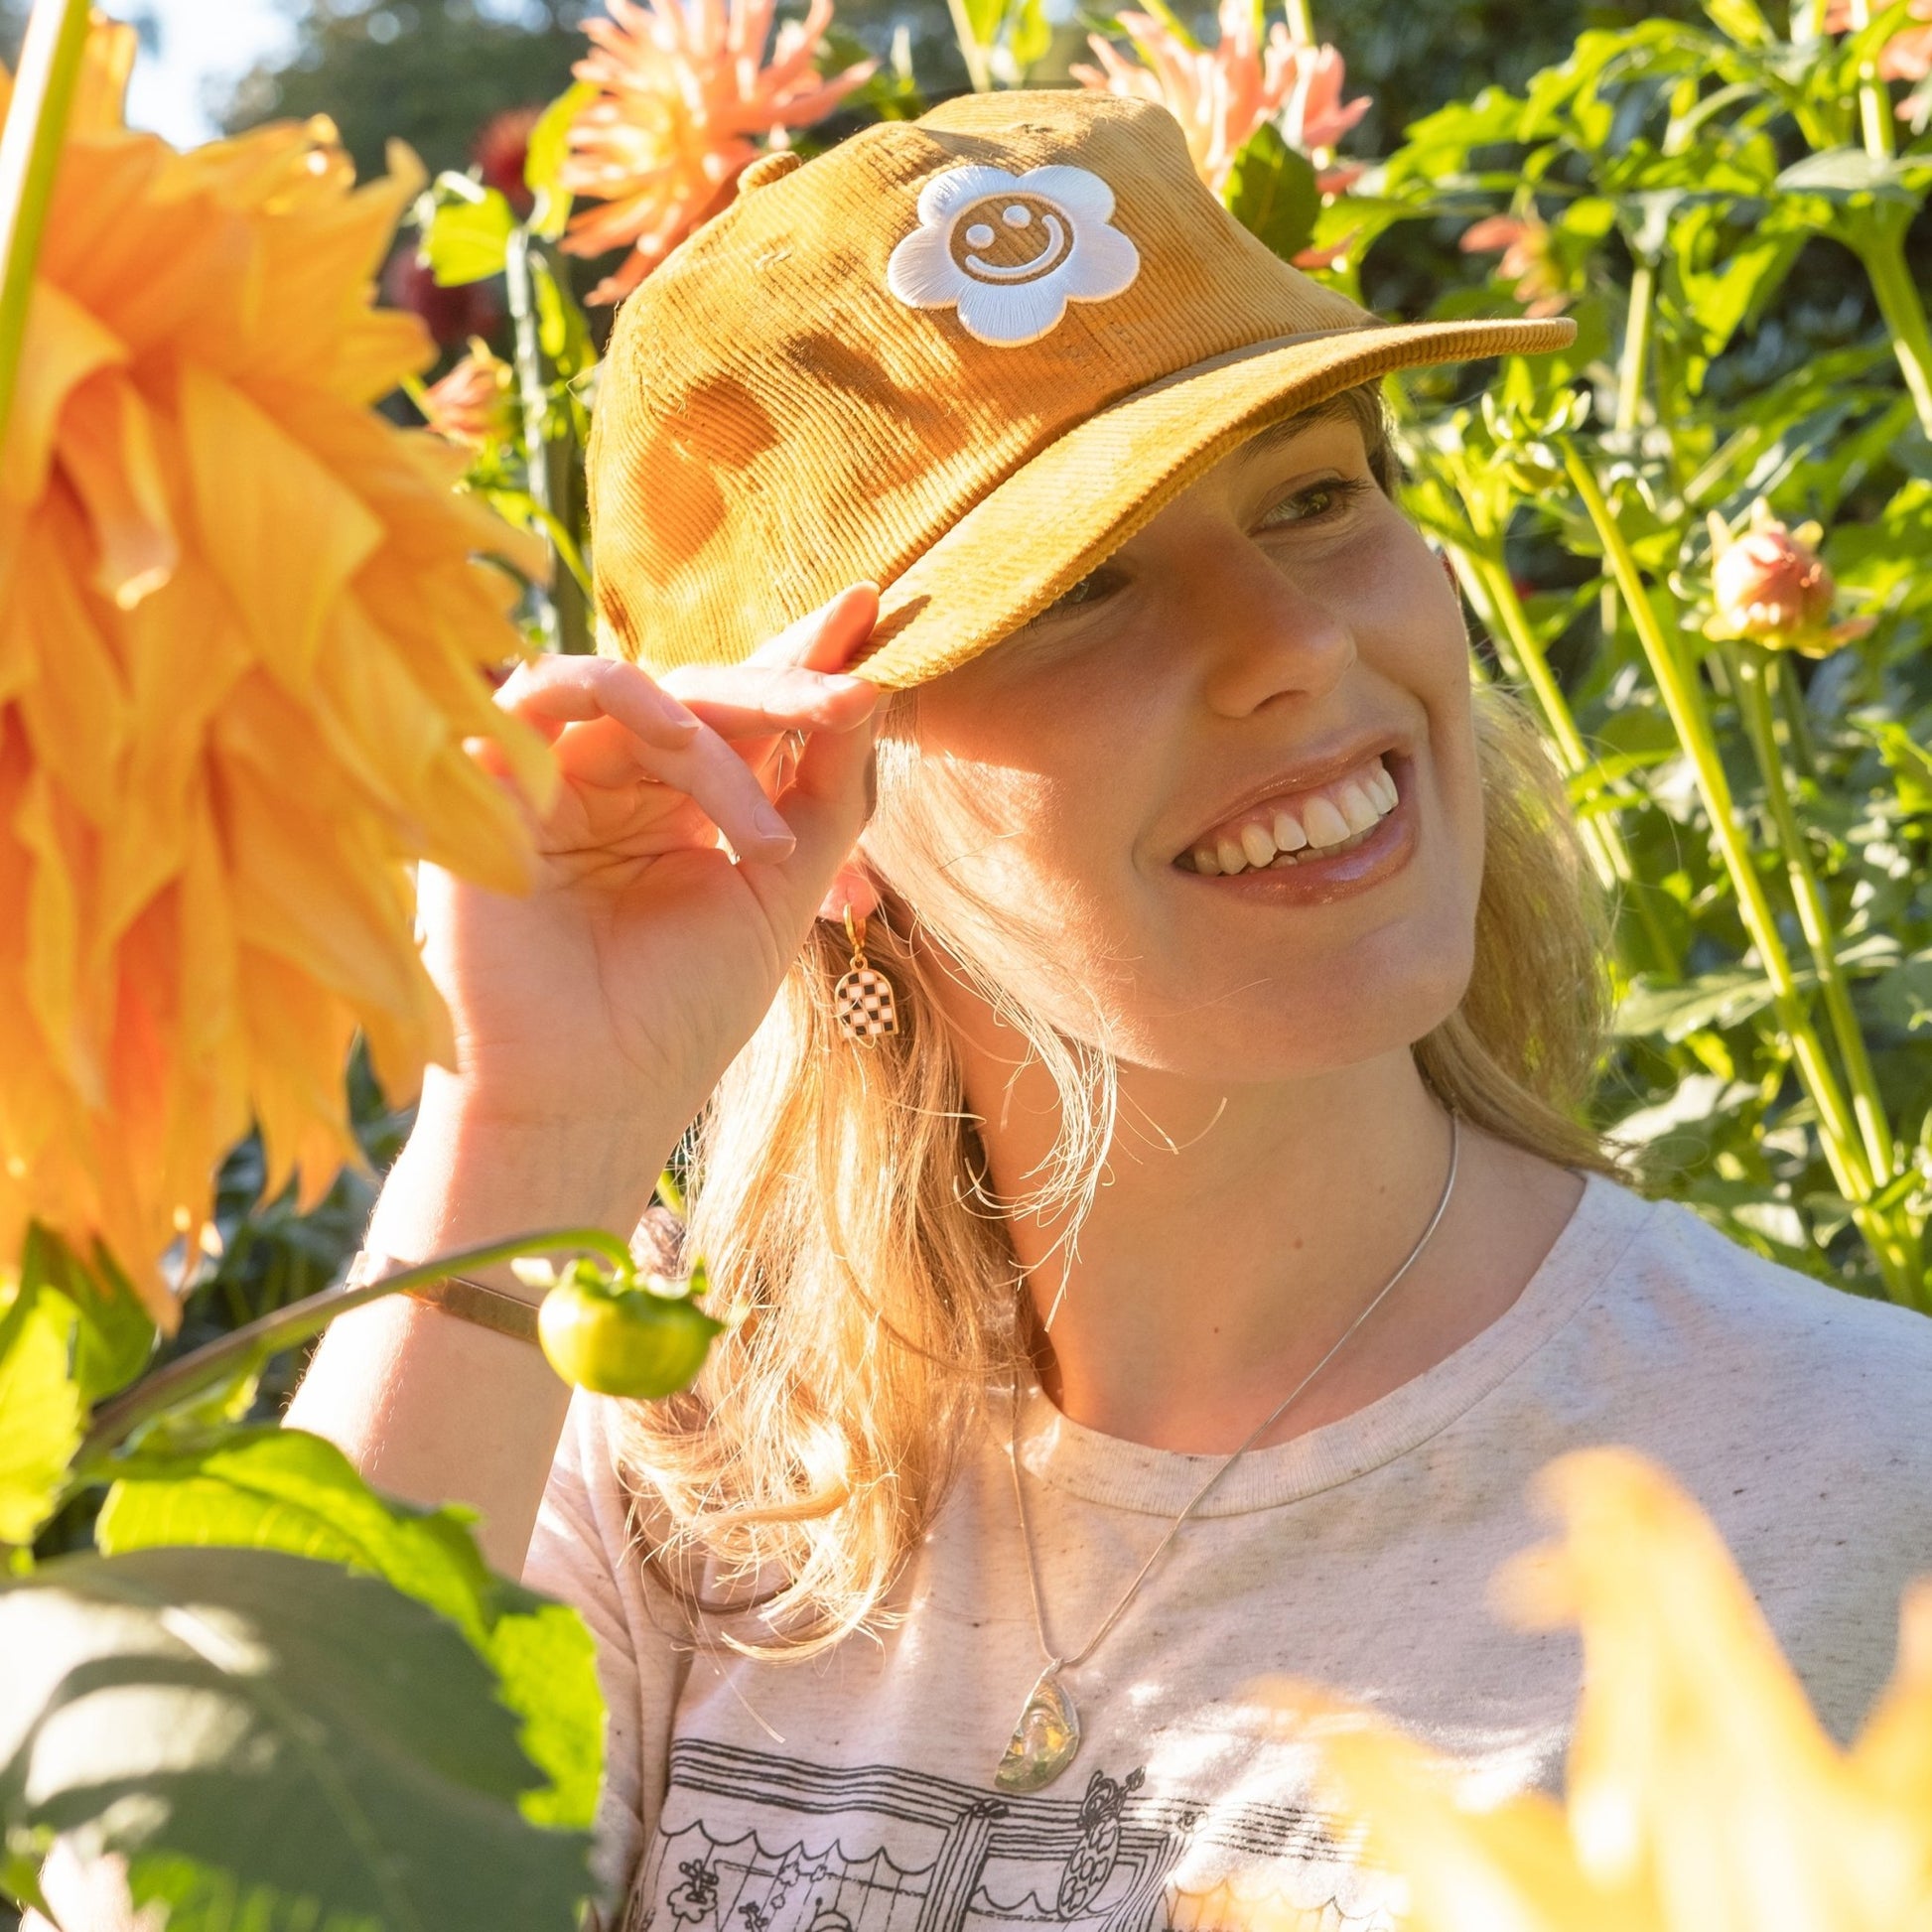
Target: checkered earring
[862, 1001]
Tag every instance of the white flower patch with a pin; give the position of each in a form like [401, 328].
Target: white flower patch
[1011, 252]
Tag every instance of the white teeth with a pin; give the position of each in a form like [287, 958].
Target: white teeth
[1205, 862]
[1255, 843]
[1357, 807]
[1288, 836]
[1384, 788]
[1232, 858]
[1324, 825]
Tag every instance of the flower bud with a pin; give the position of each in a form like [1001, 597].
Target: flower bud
[473, 403]
[1770, 587]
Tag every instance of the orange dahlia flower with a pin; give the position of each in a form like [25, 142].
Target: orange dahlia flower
[243, 641]
[1221, 94]
[1703, 1791]
[683, 99]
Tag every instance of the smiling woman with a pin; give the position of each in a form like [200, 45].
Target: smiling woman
[1184, 1288]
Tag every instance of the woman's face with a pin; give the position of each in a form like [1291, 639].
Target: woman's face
[1218, 809]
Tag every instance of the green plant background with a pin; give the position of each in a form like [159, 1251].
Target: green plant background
[1733, 209]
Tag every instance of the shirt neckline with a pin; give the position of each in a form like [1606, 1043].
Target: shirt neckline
[1120, 1474]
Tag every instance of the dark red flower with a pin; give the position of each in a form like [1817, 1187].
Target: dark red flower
[451, 314]
[501, 150]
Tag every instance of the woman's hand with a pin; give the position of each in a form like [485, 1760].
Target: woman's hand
[620, 987]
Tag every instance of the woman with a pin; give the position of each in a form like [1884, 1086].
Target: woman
[1188, 1288]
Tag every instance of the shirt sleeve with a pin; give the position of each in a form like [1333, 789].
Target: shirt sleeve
[586, 1551]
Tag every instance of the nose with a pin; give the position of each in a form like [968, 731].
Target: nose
[1260, 638]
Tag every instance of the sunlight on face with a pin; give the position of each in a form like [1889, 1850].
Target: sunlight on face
[1162, 812]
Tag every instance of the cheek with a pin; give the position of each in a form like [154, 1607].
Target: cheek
[1012, 830]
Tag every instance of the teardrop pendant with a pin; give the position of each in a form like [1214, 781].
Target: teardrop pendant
[1045, 1740]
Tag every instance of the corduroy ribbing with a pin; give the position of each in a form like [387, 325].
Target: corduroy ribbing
[774, 424]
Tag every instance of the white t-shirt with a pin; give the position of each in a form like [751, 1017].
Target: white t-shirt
[854, 1792]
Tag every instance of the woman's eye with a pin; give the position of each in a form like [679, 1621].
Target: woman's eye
[1091, 588]
[1316, 503]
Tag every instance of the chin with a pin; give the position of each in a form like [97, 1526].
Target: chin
[1286, 1026]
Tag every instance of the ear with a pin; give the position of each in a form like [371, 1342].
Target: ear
[851, 891]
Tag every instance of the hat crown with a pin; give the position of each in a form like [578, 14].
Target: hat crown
[833, 371]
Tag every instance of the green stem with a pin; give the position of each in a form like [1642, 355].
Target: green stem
[534, 406]
[1301, 21]
[30, 157]
[970, 50]
[1752, 672]
[1486, 580]
[1874, 98]
[1684, 704]
[1881, 249]
[1636, 346]
[245, 1350]
[1838, 1131]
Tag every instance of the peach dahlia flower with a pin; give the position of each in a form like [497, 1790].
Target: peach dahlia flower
[683, 100]
[242, 639]
[1527, 264]
[1221, 94]
[1907, 56]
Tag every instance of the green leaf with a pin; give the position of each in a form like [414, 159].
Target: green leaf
[1903, 998]
[1741, 22]
[113, 1335]
[40, 1412]
[544, 159]
[1852, 172]
[1272, 191]
[1029, 34]
[271, 1741]
[468, 238]
[562, 331]
[272, 1488]
[1719, 998]
[983, 17]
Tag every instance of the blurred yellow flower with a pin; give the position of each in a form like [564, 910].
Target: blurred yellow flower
[242, 639]
[1221, 94]
[1704, 1794]
[683, 98]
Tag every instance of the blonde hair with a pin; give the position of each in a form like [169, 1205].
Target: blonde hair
[843, 1215]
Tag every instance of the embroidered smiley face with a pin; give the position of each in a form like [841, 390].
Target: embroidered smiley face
[1011, 252]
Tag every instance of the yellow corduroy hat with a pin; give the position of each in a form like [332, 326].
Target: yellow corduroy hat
[965, 357]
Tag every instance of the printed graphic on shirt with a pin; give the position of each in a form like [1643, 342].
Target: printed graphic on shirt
[751, 1843]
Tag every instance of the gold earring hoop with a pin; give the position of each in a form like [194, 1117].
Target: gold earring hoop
[862, 1001]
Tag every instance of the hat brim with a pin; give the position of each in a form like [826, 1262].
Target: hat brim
[1066, 510]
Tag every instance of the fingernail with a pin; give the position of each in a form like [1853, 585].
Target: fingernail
[770, 826]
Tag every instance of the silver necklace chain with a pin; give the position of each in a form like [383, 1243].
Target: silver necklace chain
[1056, 1663]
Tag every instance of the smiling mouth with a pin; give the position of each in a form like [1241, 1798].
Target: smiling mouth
[1047, 257]
[1297, 827]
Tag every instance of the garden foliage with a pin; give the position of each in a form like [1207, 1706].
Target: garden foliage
[1694, 541]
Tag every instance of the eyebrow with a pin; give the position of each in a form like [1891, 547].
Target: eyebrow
[1277, 435]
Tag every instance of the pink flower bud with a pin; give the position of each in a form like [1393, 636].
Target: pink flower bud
[1768, 586]
[473, 403]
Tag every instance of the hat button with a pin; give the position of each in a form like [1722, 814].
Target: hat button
[769, 168]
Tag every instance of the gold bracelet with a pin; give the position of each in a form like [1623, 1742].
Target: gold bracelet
[495, 1309]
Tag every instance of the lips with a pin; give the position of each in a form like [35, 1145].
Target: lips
[1293, 825]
